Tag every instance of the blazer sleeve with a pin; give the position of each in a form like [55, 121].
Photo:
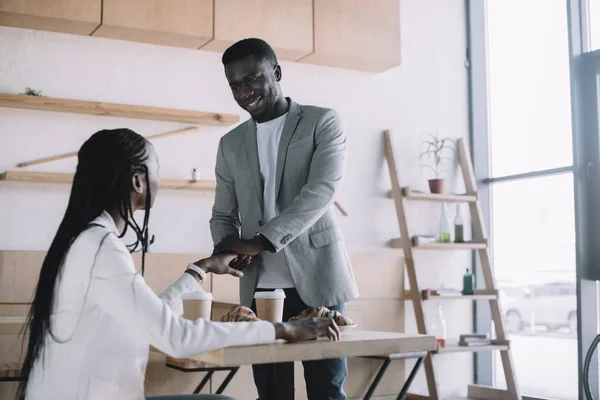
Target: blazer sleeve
[225, 218]
[122, 293]
[326, 172]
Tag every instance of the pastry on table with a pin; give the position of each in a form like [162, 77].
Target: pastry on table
[324, 312]
[240, 314]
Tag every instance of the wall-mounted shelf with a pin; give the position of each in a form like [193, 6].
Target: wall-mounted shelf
[55, 177]
[58, 177]
[116, 110]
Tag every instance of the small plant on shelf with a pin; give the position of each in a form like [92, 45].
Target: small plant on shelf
[33, 92]
[438, 151]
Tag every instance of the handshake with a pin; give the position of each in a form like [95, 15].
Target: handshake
[232, 255]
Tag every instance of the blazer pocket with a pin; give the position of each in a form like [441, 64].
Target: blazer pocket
[301, 142]
[102, 389]
[326, 237]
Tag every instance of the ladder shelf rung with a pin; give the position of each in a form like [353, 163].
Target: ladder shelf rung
[455, 348]
[430, 294]
[472, 245]
[410, 194]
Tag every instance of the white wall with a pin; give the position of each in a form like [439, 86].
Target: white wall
[427, 93]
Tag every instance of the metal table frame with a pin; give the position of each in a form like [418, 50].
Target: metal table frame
[209, 373]
[386, 363]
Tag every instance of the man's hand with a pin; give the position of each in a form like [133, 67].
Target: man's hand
[307, 329]
[249, 247]
[219, 264]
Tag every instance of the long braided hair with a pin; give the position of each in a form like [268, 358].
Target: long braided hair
[106, 164]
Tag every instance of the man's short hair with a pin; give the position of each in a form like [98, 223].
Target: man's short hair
[250, 47]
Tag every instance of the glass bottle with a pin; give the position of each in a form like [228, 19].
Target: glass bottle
[459, 227]
[438, 327]
[444, 232]
[468, 283]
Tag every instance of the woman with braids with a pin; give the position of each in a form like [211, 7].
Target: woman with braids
[93, 316]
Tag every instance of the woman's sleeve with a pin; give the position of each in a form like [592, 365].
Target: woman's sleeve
[121, 292]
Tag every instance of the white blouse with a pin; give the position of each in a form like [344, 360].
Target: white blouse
[105, 317]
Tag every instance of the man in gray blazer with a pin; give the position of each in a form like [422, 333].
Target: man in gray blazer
[277, 176]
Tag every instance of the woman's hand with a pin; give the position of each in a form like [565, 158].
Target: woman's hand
[219, 264]
[307, 329]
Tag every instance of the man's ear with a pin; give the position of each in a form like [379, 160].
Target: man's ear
[277, 71]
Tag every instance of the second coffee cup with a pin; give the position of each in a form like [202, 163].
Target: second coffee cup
[269, 305]
[197, 305]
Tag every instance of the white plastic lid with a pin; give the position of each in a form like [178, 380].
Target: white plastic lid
[277, 294]
[197, 295]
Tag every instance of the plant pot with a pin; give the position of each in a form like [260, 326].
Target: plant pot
[437, 185]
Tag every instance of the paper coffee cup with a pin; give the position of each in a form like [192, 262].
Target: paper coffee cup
[197, 305]
[269, 305]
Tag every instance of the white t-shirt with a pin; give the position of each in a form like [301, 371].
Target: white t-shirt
[274, 272]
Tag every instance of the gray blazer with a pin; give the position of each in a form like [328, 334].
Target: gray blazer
[310, 165]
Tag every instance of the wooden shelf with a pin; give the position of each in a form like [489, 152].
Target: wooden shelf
[429, 294]
[55, 177]
[452, 198]
[116, 110]
[473, 245]
[58, 177]
[455, 348]
[396, 243]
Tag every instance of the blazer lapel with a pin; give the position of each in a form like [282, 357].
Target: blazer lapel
[291, 122]
[253, 162]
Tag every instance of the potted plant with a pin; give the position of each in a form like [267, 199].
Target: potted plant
[32, 92]
[437, 151]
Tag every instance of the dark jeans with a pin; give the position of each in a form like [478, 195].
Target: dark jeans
[324, 378]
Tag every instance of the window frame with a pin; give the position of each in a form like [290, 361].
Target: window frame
[584, 131]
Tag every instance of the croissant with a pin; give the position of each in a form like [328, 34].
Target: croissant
[240, 314]
[324, 312]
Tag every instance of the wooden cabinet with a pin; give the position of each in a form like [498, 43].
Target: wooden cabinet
[79, 17]
[356, 34]
[178, 23]
[287, 25]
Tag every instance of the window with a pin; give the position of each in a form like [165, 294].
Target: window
[533, 231]
[529, 101]
[523, 150]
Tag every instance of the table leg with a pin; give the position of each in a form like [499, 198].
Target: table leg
[411, 377]
[203, 382]
[228, 379]
[377, 379]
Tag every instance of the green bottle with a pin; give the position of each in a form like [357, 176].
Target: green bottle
[468, 283]
[459, 227]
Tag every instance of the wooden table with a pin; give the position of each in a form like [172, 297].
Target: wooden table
[352, 344]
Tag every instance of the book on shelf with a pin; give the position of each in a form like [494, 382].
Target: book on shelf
[424, 239]
[475, 339]
[474, 343]
[447, 292]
